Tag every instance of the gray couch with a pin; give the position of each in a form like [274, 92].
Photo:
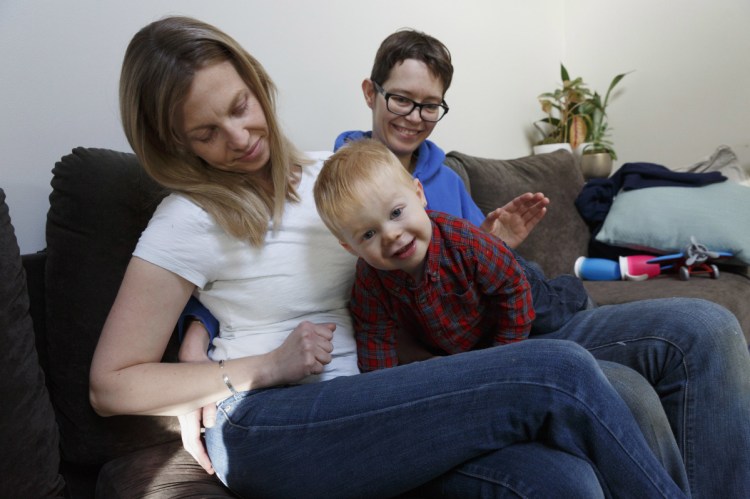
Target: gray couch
[562, 235]
[53, 312]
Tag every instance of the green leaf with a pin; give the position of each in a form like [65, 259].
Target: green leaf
[564, 73]
[612, 85]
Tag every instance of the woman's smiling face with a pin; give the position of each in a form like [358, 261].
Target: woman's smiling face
[403, 134]
[223, 122]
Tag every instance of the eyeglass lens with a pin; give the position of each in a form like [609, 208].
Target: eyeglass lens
[403, 106]
[398, 104]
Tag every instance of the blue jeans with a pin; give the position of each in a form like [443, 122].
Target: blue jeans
[384, 433]
[646, 408]
[556, 300]
[695, 356]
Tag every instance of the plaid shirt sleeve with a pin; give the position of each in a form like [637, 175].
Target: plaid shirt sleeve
[374, 325]
[499, 273]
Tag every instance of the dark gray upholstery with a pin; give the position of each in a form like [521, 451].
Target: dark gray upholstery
[494, 182]
[100, 203]
[163, 472]
[30, 459]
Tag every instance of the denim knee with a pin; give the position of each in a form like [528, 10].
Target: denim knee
[705, 326]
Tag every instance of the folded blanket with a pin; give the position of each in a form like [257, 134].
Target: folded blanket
[595, 199]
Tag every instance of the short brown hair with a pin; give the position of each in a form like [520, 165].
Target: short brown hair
[347, 176]
[412, 44]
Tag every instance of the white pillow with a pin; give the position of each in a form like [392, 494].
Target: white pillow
[662, 219]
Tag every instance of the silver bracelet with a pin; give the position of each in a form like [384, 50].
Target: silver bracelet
[225, 378]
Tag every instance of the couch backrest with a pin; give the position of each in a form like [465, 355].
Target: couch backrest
[562, 236]
[100, 203]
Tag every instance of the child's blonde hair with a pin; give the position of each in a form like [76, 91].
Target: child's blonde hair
[348, 176]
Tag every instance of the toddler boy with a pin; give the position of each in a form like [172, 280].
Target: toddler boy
[436, 277]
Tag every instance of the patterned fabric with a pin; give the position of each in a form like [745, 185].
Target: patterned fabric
[473, 295]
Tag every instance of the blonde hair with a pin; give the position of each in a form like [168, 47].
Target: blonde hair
[159, 65]
[347, 177]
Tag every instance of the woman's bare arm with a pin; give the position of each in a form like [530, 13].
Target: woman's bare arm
[127, 376]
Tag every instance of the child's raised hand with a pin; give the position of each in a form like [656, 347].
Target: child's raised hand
[513, 222]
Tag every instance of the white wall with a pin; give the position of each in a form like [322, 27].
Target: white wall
[689, 90]
[60, 65]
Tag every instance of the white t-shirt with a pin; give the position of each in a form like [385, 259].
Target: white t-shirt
[259, 295]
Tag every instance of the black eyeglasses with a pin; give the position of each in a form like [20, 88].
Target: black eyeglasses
[403, 106]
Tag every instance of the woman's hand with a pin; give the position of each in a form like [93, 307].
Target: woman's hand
[513, 222]
[305, 351]
[190, 431]
[194, 348]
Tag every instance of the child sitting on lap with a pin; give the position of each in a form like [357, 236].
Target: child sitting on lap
[436, 277]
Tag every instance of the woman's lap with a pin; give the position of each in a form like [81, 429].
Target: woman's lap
[385, 432]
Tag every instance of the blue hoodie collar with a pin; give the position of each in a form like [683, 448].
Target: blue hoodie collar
[429, 156]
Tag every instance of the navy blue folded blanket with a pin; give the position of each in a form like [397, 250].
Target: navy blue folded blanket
[595, 199]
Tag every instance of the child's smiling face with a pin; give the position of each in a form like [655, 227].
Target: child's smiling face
[390, 229]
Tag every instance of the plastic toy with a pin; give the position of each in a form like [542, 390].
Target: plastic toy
[694, 260]
[626, 268]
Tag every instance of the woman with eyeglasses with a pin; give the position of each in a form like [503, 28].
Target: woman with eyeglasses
[295, 419]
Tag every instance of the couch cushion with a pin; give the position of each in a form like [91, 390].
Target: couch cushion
[561, 236]
[730, 290]
[164, 471]
[100, 203]
[30, 458]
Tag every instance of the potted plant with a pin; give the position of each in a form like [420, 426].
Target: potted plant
[598, 153]
[566, 123]
[577, 120]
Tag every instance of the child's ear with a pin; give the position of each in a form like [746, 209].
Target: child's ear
[348, 248]
[420, 192]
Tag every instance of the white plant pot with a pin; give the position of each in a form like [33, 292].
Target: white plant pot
[545, 148]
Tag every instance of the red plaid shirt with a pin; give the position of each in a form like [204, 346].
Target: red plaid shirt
[474, 294]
